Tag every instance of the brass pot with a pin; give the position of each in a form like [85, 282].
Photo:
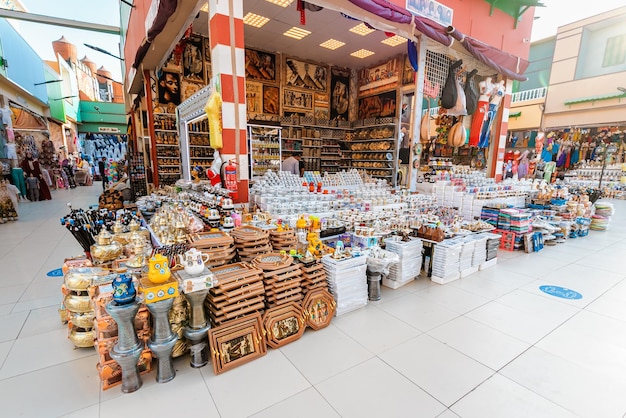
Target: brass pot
[77, 281]
[82, 320]
[81, 338]
[80, 304]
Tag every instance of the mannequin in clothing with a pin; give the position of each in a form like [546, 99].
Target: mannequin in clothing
[494, 103]
[485, 88]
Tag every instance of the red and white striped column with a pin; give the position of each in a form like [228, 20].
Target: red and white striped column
[228, 68]
[497, 148]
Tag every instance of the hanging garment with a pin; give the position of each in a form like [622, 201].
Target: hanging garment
[17, 178]
[485, 133]
[575, 156]
[561, 158]
[555, 151]
[477, 122]
[471, 93]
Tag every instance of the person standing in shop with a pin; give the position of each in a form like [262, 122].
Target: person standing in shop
[30, 166]
[102, 169]
[292, 164]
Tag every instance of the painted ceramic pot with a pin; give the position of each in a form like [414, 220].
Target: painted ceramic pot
[123, 290]
[158, 269]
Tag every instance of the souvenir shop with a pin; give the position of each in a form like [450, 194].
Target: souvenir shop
[578, 156]
[378, 114]
[203, 268]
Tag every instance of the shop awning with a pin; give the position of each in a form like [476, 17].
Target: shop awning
[504, 63]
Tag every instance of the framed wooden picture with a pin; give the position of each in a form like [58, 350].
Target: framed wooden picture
[271, 99]
[237, 342]
[189, 88]
[283, 324]
[193, 59]
[340, 94]
[408, 73]
[297, 100]
[207, 49]
[254, 97]
[319, 308]
[380, 77]
[306, 75]
[378, 106]
[260, 65]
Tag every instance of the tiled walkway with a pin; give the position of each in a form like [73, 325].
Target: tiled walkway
[489, 345]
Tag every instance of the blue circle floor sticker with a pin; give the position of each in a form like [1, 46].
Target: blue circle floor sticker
[560, 292]
[55, 273]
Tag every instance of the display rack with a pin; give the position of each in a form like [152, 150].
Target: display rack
[374, 148]
[265, 149]
[167, 148]
[137, 173]
[200, 150]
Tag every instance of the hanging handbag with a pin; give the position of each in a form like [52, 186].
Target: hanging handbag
[449, 93]
[471, 93]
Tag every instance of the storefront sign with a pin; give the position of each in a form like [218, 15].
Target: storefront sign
[108, 130]
[560, 292]
[432, 10]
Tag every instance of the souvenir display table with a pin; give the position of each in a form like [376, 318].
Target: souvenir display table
[186, 272]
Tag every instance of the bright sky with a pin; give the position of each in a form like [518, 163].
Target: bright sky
[556, 13]
[105, 12]
[562, 12]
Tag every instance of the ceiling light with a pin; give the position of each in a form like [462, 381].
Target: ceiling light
[332, 44]
[205, 8]
[281, 3]
[361, 29]
[255, 20]
[297, 33]
[394, 40]
[362, 53]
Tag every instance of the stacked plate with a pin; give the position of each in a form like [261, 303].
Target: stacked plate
[446, 261]
[467, 253]
[410, 264]
[480, 250]
[217, 244]
[347, 280]
[282, 279]
[313, 276]
[239, 292]
[493, 243]
[251, 242]
[283, 240]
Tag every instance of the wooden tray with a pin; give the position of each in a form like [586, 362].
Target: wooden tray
[236, 343]
[283, 324]
[319, 308]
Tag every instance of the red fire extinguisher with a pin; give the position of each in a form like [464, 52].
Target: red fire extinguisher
[230, 179]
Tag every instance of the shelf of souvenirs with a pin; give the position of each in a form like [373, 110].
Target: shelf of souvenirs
[169, 172]
[266, 157]
[199, 140]
[255, 144]
[291, 150]
[165, 122]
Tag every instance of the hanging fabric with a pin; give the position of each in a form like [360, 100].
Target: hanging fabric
[449, 93]
[471, 94]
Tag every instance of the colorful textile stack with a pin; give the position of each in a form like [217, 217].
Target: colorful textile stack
[490, 214]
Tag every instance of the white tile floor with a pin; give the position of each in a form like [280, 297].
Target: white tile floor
[489, 345]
